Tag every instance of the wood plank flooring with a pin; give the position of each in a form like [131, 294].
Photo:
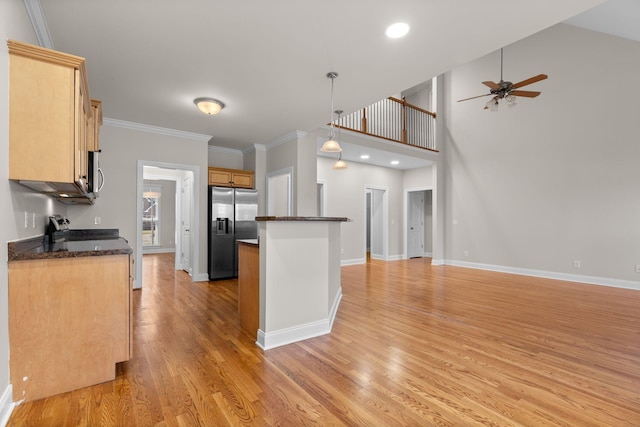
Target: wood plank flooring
[412, 344]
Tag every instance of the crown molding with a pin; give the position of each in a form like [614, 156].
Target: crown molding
[39, 23]
[253, 147]
[155, 129]
[296, 134]
[225, 150]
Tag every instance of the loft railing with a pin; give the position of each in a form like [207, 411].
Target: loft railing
[395, 120]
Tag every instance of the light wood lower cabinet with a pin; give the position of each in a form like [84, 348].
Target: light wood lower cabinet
[69, 323]
[249, 287]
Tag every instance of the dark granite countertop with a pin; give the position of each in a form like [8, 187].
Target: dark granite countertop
[302, 218]
[75, 243]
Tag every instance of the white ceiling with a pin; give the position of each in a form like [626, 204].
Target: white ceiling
[267, 60]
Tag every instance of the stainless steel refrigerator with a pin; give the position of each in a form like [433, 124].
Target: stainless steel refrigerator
[232, 214]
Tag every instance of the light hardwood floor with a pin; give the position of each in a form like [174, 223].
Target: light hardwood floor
[412, 344]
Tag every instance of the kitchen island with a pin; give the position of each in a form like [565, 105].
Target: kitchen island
[70, 312]
[299, 278]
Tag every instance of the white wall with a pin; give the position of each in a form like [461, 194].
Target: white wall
[121, 150]
[554, 179]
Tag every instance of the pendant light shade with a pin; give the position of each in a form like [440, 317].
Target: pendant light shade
[340, 164]
[331, 145]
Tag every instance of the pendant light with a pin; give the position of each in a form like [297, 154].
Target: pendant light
[340, 164]
[331, 145]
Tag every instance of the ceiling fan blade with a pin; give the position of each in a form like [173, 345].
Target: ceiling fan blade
[491, 84]
[525, 93]
[473, 97]
[530, 80]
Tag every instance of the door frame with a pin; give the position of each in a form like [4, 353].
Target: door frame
[385, 221]
[406, 216]
[288, 172]
[195, 208]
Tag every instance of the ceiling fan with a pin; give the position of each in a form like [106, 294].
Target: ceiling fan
[507, 90]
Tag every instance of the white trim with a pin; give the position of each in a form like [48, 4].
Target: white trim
[154, 129]
[202, 277]
[6, 405]
[591, 280]
[195, 223]
[252, 148]
[267, 341]
[158, 250]
[395, 257]
[428, 254]
[288, 171]
[437, 261]
[39, 23]
[296, 134]
[224, 149]
[356, 261]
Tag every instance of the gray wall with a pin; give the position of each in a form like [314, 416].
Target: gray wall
[345, 197]
[121, 150]
[554, 179]
[14, 24]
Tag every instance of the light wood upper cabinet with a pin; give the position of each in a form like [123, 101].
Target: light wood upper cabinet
[52, 121]
[231, 178]
[93, 140]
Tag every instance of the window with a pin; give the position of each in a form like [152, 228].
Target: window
[151, 215]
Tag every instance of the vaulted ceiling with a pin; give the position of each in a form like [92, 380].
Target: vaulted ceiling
[267, 60]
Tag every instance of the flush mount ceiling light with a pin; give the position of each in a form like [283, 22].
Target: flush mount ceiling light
[331, 145]
[395, 162]
[364, 156]
[209, 106]
[397, 30]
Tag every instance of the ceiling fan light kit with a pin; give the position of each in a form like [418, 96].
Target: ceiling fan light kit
[507, 91]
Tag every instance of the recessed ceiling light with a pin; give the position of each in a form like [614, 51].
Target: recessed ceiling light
[364, 156]
[395, 162]
[397, 30]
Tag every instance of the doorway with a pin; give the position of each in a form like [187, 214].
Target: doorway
[376, 212]
[280, 192]
[186, 217]
[419, 223]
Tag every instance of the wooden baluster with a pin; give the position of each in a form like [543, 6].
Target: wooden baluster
[404, 120]
[364, 120]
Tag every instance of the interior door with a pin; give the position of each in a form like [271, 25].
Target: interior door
[415, 224]
[185, 226]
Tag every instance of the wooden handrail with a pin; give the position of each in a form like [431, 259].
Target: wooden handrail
[406, 124]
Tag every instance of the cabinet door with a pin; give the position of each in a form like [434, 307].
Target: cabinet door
[41, 120]
[242, 179]
[80, 141]
[93, 134]
[219, 177]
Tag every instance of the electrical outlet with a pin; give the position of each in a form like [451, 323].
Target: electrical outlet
[33, 220]
[637, 268]
[26, 219]
[576, 264]
[97, 220]
[466, 253]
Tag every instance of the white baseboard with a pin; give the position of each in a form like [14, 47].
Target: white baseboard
[269, 340]
[395, 257]
[158, 250]
[603, 281]
[6, 405]
[352, 261]
[201, 277]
